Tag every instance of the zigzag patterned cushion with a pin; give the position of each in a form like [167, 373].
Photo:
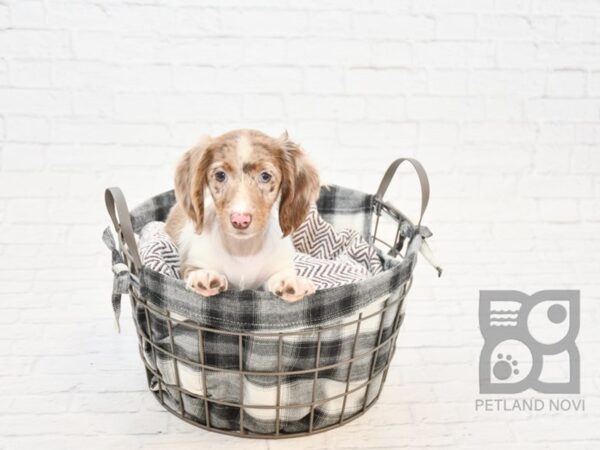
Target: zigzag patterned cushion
[157, 250]
[325, 256]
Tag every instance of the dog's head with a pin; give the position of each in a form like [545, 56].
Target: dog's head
[245, 172]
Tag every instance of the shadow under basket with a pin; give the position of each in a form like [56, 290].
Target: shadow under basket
[246, 363]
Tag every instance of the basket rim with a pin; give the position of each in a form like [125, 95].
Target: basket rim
[262, 310]
[182, 301]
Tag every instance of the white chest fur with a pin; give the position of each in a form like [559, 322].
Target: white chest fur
[251, 271]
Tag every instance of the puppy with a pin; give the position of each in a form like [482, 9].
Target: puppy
[239, 196]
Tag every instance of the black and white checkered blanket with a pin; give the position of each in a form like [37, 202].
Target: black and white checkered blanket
[323, 314]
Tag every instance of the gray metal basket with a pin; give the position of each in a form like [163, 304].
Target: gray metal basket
[248, 364]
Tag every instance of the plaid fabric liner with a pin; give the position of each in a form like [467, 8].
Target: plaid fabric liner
[173, 316]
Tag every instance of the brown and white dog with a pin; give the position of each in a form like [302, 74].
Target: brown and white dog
[239, 196]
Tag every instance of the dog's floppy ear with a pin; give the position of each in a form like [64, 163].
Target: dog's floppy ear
[190, 181]
[299, 186]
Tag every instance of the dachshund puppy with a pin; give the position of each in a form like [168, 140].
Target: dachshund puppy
[239, 196]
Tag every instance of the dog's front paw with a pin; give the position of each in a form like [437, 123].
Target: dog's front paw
[291, 287]
[206, 282]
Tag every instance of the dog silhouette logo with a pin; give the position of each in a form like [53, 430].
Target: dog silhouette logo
[529, 342]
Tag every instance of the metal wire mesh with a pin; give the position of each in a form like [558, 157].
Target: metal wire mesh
[204, 402]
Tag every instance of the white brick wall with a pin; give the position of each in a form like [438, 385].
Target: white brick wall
[500, 99]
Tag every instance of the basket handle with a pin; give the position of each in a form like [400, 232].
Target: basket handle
[423, 180]
[119, 214]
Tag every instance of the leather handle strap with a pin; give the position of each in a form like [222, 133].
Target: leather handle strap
[423, 180]
[119, 214]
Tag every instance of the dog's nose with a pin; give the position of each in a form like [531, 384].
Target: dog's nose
[240, 221]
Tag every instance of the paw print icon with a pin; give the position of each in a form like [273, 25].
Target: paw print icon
[529, 342]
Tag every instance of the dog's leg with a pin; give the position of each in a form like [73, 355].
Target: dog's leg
[289, 286]
[205, 282]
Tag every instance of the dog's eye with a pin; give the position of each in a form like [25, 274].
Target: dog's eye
[264, 177]
[220, 176]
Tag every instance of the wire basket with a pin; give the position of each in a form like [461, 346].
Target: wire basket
[280, 381]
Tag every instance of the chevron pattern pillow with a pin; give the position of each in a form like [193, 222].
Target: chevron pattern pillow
[157, 250]
[327, 257]
[330, 258]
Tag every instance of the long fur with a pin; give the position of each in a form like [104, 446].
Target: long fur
[199, 222]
